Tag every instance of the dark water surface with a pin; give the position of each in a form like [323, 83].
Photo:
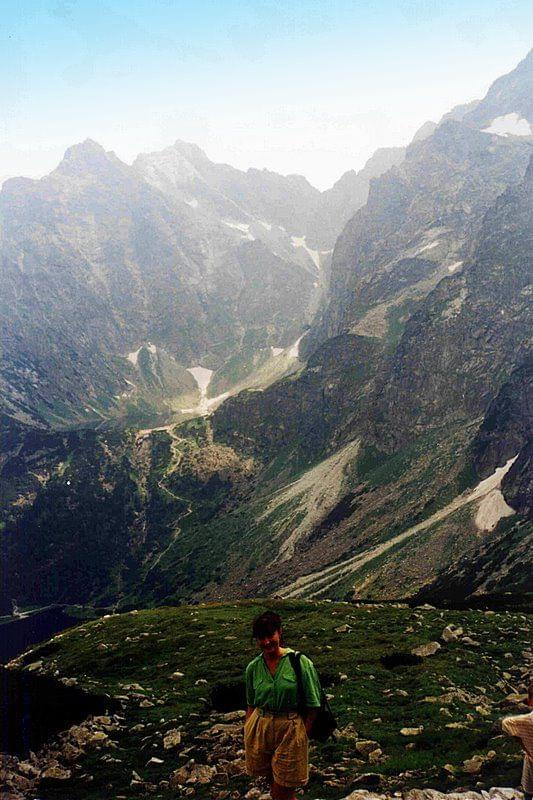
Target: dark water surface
[19, 633]
[33, 708]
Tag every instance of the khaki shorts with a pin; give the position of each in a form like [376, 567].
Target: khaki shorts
[277, 745]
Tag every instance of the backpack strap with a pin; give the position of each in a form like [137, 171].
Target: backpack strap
[297, 667]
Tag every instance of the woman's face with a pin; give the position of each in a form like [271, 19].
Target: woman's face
[270, 643]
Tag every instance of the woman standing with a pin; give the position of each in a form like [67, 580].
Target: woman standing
[275, 734]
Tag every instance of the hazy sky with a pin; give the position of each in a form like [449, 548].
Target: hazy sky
[294, 86]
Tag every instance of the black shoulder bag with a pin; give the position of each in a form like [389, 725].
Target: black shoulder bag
[324, 723]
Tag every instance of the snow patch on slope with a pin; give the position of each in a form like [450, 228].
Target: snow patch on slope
[492, 509]
[133, 357]
[454, 266]
[294, 350]
[429, 246]
[202, 376]
[299, 241]
[509, 125]
[242, 227]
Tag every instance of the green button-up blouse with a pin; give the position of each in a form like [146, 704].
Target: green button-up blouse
[279, 692]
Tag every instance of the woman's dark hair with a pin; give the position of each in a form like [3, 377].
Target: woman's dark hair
[266, 624]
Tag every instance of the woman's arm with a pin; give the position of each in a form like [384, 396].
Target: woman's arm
[310, 717]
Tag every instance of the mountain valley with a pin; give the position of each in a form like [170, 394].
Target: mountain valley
[224, 384]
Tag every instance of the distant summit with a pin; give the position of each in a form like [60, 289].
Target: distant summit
[87, 156]
[510, 94]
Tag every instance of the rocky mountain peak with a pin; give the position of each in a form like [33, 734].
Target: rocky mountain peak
[425, 130]
[509, 94]
[87, 157]
[191, 152]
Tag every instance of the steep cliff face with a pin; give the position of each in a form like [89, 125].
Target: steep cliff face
[517, 486]
[350, 193]
[508, 423]
[507, 432]
[471, 332]
[184, 170]
[416, 227]
[312, 412]
[396, 460]
[422, 215]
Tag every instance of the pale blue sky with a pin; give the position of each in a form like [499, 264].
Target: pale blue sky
[295, 86]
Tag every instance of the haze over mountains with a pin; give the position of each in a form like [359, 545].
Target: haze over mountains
[174, 257]
[385, 454]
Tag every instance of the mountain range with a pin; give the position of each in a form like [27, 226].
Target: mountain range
[386, 454]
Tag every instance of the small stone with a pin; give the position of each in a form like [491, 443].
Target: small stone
[56, 773]
[425, 650]
[451, 633]
[171, 739]
[176, 676]
[412, 731]
[473, 765]
[97, 737]
[366, 746]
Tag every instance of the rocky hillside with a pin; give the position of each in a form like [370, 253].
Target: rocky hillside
[487, 307]
[101, 271]
[394, 462]
[422, 216]
[416, 693]
[116, 278]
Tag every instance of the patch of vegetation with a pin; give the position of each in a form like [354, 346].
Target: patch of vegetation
[459, 685]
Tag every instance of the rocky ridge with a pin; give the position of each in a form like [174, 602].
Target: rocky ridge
[99, 266]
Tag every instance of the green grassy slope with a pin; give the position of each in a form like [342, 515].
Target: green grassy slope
[456, 694]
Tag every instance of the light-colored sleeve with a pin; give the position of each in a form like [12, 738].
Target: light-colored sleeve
[311, 683]
[518, 726]
[250, 693]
